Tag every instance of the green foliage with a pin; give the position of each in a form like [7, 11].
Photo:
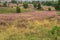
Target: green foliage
[57, 5]
[55, 31]
[39, 6]
[7, 10]
[5, 4]
[13, 1]
[58, 2]
[49, 9]
[48, 3]
[18, 10]
[34, 4]
[10, 10]
[25, 4]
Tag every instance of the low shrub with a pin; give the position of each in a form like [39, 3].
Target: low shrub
[49, 9]
[34, 4]
[13, 1]
[5, 4]
[25, 4]
[57, 5]
[39, 6]
[18, 10]
[55, 32]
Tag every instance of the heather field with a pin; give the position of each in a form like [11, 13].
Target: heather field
[30, 20]
[38, 25]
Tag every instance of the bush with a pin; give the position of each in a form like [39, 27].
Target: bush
[49, 9]
[13, 1]
[5, 4]
[48, 3]
[57, 5]
[18, 10]
[39, 6]
[34, 4]
[25, 4]
[55, 32]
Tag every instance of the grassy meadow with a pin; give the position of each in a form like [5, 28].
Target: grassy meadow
[10, 10]
[30, 21]
[30, 30]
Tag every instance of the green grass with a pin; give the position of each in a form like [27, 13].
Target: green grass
[30, 30]
[58, 13]
[25, 10]
[39, 34]
[8, 10]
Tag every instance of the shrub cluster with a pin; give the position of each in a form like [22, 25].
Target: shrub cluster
[57, 5]
[18, 10]
[37, 5]
[49, 9]
[34, 4]
[5, 4]
[13, 1]
[55, 32]
[25, 4]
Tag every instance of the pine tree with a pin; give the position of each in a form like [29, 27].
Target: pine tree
[5, 4]
[49, 9]
[13, 1]
[18, 10]
[57, 6]
[58, 2]
[39, 6]
[25, 4]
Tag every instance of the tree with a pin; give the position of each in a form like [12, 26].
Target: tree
[34, 4]
[25, 4]
[39, 6]
[49, 9]
[58, 2]
[55, 32]
[13, 1]
[18, 10]
[5, 4]
[57, 5]
[49, 3]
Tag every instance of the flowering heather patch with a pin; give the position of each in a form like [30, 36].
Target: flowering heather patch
[8, 16]
[25, 26]
[45, 14]
[31, 15]
[14, 18]
[58, 17]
